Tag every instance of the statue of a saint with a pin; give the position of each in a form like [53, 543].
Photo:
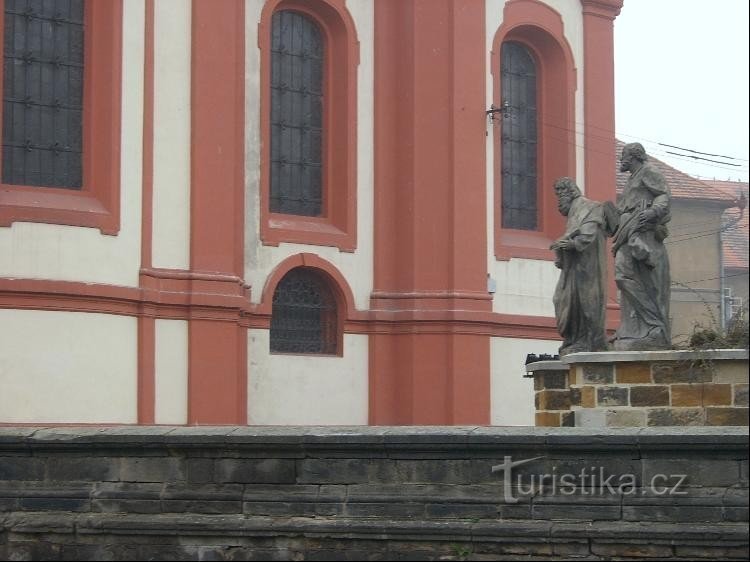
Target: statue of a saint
[581, 292]
[641, 261]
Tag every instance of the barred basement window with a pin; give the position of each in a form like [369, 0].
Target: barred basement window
[297, 54]
[304, 316]
[43, 93]
[518, 79]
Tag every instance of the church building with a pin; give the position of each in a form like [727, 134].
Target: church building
[304, 212]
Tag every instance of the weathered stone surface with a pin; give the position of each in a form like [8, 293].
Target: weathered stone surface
[651, 395]
[631, 417]
[632, 373]
[611, 396]
[598, 374]
[685, 395]
[684, 371]
[740, 395]
[547, 419]
[717, 394]
[552, 400]
[255, 471]
[424, 506]
[152, 469]
[727, 416]
[676, 416]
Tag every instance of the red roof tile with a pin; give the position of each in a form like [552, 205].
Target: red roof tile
[736, 236]
[681, 184]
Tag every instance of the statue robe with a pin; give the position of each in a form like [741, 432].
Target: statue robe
[642, 264]
[581, 294]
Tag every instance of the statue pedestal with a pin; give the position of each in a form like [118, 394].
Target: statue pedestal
[643, 389]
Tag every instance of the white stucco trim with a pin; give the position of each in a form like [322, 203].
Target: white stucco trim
[67, 367]
[171, 180]
[171, 371]
[305, 389]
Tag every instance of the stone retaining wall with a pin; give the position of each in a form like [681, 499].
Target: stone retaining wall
[640, 389]
[139, 493]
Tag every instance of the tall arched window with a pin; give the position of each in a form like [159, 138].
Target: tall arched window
[297, 67]
[534, 142]
[308, 123]
[304, 315]
[518, 82]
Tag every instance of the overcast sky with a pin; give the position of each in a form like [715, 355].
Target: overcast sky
[681, 78]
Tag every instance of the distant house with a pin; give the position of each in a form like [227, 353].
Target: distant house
[695, 248]
[735, 245]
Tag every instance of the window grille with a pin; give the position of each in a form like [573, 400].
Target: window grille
[304, 317]
[43, 93]
[297, 58]
[519, 138]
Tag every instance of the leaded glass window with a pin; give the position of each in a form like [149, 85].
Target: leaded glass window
[304, 317]
[297, 58]
[518, 78]
[43, 93]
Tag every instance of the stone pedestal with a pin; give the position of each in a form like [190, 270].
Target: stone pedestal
[643, 388]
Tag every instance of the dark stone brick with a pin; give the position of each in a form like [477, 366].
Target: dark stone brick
[575, 396]
[699, 471]
[740, 395]
[684, 371]
[598, 374]
[727, 416]
[333, 471]
[671, 513]
[567, 419]
[21, 468]
[675, 416]
[256, 471]
[88, 469]
[581, 512]
[612, 396]
[200, 471]
[555, 379]
[152, 469]
[54, 504]
[651, 395]
[710, 551]
[736, 514]
[571, 549]
[553, 400]
[631, 550]
[388, 510]
[461, 511]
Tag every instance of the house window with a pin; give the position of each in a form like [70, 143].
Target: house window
[62, 99]
[304, 317]
[43, 94]
[518, 79]
[297, 59]
[308, 123]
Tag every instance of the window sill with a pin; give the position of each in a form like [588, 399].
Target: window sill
[55, 206]
[316, 231]
[522, 244]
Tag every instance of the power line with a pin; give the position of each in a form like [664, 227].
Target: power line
[708, 279]
[701, 158]
[698, 152]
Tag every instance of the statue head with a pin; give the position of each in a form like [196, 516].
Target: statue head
[632, 152]
[567, 191]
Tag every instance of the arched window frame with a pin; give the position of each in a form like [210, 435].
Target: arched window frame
[540, 29]
[337, 225]
[332, 317]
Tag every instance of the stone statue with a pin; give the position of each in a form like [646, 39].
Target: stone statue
[641, 261]
[581, 292]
